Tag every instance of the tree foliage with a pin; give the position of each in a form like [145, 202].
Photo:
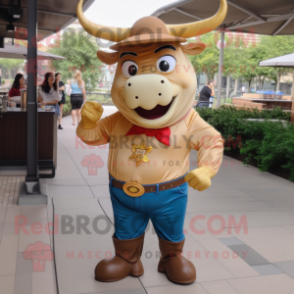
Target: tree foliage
[241, 58]
[10, 64]
[207, 62]
[80, 50]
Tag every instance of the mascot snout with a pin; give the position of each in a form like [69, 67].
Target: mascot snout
[148, 91]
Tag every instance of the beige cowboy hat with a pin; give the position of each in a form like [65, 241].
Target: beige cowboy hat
[150, 29]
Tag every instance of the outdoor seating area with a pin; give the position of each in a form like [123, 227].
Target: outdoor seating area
[263, 101]
[284, 103]
[116, 178]
[250, 101]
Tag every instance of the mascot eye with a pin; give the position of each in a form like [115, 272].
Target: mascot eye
[166, 63]
[129, 68]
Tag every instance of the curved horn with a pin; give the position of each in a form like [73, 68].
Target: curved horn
[104, 32]
[189, 30]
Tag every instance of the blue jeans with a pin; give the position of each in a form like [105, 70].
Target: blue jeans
[202, 104]
[210, 102]
[57, 110]
[166, 209]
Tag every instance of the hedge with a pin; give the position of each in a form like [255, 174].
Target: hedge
[268, 144]
[90, 97]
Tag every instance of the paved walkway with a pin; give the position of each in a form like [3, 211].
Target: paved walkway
[239, 233]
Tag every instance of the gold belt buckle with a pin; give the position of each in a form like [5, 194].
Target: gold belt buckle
[133, 189]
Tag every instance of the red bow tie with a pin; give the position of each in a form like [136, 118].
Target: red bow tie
[162, 135]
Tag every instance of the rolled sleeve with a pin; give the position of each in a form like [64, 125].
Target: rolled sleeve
[207, 141]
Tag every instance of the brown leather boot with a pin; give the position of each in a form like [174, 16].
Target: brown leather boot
[126, 262]
[177, 268]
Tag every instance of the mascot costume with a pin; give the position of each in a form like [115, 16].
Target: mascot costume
[152, 134]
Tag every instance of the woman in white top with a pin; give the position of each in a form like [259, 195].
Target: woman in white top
[49, 90]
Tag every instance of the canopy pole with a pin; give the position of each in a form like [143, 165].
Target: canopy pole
[30, 193]
[228, 87]
[220, 68]
[32, 110]
[2, 42]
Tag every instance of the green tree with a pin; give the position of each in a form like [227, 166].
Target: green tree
[233, 62]
[249, 64]
[242, 60]
[274, 47]
[246, 58]
[271, 47]
[80, 50]
[207, 62]
[11, 64]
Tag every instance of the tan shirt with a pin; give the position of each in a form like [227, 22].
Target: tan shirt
[166, 163]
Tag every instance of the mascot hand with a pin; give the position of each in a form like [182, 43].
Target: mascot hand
[91, 113]
[199, 178]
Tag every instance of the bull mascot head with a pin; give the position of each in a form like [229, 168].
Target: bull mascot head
[154, 84]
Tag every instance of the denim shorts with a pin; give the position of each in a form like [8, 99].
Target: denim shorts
[166, 209]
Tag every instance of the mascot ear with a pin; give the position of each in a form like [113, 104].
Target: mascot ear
[107, 57]
[193, 48]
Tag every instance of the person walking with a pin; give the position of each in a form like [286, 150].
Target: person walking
[77, 97]
[0, 78]
[62, 97]
[204, 95]
[243, 90]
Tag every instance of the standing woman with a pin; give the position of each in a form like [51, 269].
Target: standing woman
[62, 97]
[77, 97]
[49, 91]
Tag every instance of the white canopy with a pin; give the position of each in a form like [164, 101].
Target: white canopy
[282, 61]
[18, 51]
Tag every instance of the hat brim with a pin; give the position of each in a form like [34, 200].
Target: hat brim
[147, 39]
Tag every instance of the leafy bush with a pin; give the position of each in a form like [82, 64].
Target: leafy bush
[103, 99]
[274, 149]
[66, 106]
[268, 144]
[100, 98]
[80, 50]
[276, 113]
